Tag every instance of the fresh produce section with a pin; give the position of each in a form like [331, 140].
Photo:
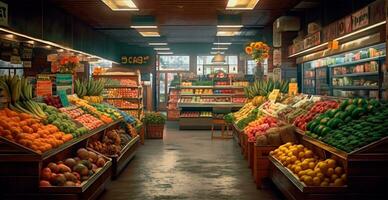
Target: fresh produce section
[72, 172]
[111, 143]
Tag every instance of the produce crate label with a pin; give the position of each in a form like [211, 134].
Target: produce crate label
[292, 88]
[360, 18]
[63, 96]
[64, 82]
[44, 88]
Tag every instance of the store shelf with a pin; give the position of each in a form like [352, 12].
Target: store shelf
[121, 86]
[124, 98]
[370, 87]
[127, 153]
[210, 104]
[209, 94]
[357, 62]
[130, 108]
[212, 87]
[357, 74]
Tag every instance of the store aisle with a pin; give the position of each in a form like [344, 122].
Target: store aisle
[187, 165]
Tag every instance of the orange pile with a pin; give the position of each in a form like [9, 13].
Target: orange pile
[307, 166]
[28, 131]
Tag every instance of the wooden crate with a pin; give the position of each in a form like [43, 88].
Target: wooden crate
[261, 163]
[244, 145]
[250, 151]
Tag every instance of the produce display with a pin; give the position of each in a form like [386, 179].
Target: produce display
[206, 114]
[53, 101]
[111, 143]
[72, 172]
[203, 91]
[90, 90]
[198, 99]
[121, 93]
[190, 114]
[259, 127]
[318, 108]
[186, 84]
[87, 108]
[119, 103]
[356, 123]
[308, 168]
[121, 82]
[272, 108]
[258, 100]
[252, 115]
[112, 112]
[264, 88]
[28, 131]
[187, 91]
[240, 83]
[221, 83]
[223, 91]
[89, 121]
[72, 111]
[62, 122]
[241, 114]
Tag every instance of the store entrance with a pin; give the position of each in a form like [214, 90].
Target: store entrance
[163, 83]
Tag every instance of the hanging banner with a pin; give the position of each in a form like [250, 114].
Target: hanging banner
[277, 57]
[360, 18]
[344, 26]
[312, 40]
[64, 82]
[377, 11]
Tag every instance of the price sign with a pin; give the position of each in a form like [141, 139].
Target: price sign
[274, 95]
[44, 88]
[292, 88]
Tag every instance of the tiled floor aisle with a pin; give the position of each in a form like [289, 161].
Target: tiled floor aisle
[187, 165]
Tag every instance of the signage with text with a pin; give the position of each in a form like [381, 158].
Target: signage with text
[312, 40]
[135, 60]
[274, 95]
[3, 14]
[360, 18]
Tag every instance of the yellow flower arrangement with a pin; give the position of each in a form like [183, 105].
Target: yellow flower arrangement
[258, 50]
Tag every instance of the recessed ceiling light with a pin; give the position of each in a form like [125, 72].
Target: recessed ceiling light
[216, 52]
[9, 36]
[241, 4]
[149, 33]
[165, 53]
[121, 5]
[229, 26]
[162, 49]
[157, 44]
[222, 43]
[227, 33]
[144, 26]
[219, 48]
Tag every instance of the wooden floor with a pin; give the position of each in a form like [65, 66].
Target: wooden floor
[187, 165]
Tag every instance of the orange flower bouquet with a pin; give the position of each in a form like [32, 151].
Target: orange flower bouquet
[67, 64]
[259, 51]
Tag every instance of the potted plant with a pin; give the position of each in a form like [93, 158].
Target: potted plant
[154, 122]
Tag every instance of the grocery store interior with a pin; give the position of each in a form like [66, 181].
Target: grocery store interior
[193, 99]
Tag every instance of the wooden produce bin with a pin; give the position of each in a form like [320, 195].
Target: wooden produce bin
[292, 188]
[244, 145]
[250, 153]
[261, 163]
[20, 170]
[236, 134]
[127, 154]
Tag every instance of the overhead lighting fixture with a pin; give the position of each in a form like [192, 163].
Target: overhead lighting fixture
[216, 52]
[11, 36]
[165, 53]
[218, 58]
[162, 49]
[228, 33]
[149, 33]
[229, 26]
[121, 5]
[222, 43]
[157, 44]
[219, 48]
[241, 4]
[145, 26]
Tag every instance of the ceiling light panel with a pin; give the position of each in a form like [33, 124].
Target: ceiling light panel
[216, 52]
[149, 33]
[144, 27]
[121, 5]
[162, 49]
[165, 53]
[229, 26]
[222, 43]
[157, 44]
[228, 33]
[241, 4]
[219, 48]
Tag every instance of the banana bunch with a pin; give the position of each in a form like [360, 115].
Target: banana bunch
[264, 88]
[94, 99]
[19, 91]
[89, 87]
[244, 111]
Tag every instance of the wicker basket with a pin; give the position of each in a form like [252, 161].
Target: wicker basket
[155, 131]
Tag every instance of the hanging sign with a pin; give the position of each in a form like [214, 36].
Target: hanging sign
[135, 60]
[377, 11]
[360, 18]
[277, 57]
[3, 14]
[344, 26]
[274, 95]
[312, 40]
[292, 88]
[64, 82]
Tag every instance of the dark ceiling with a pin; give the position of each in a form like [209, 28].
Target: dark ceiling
[180, 21]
